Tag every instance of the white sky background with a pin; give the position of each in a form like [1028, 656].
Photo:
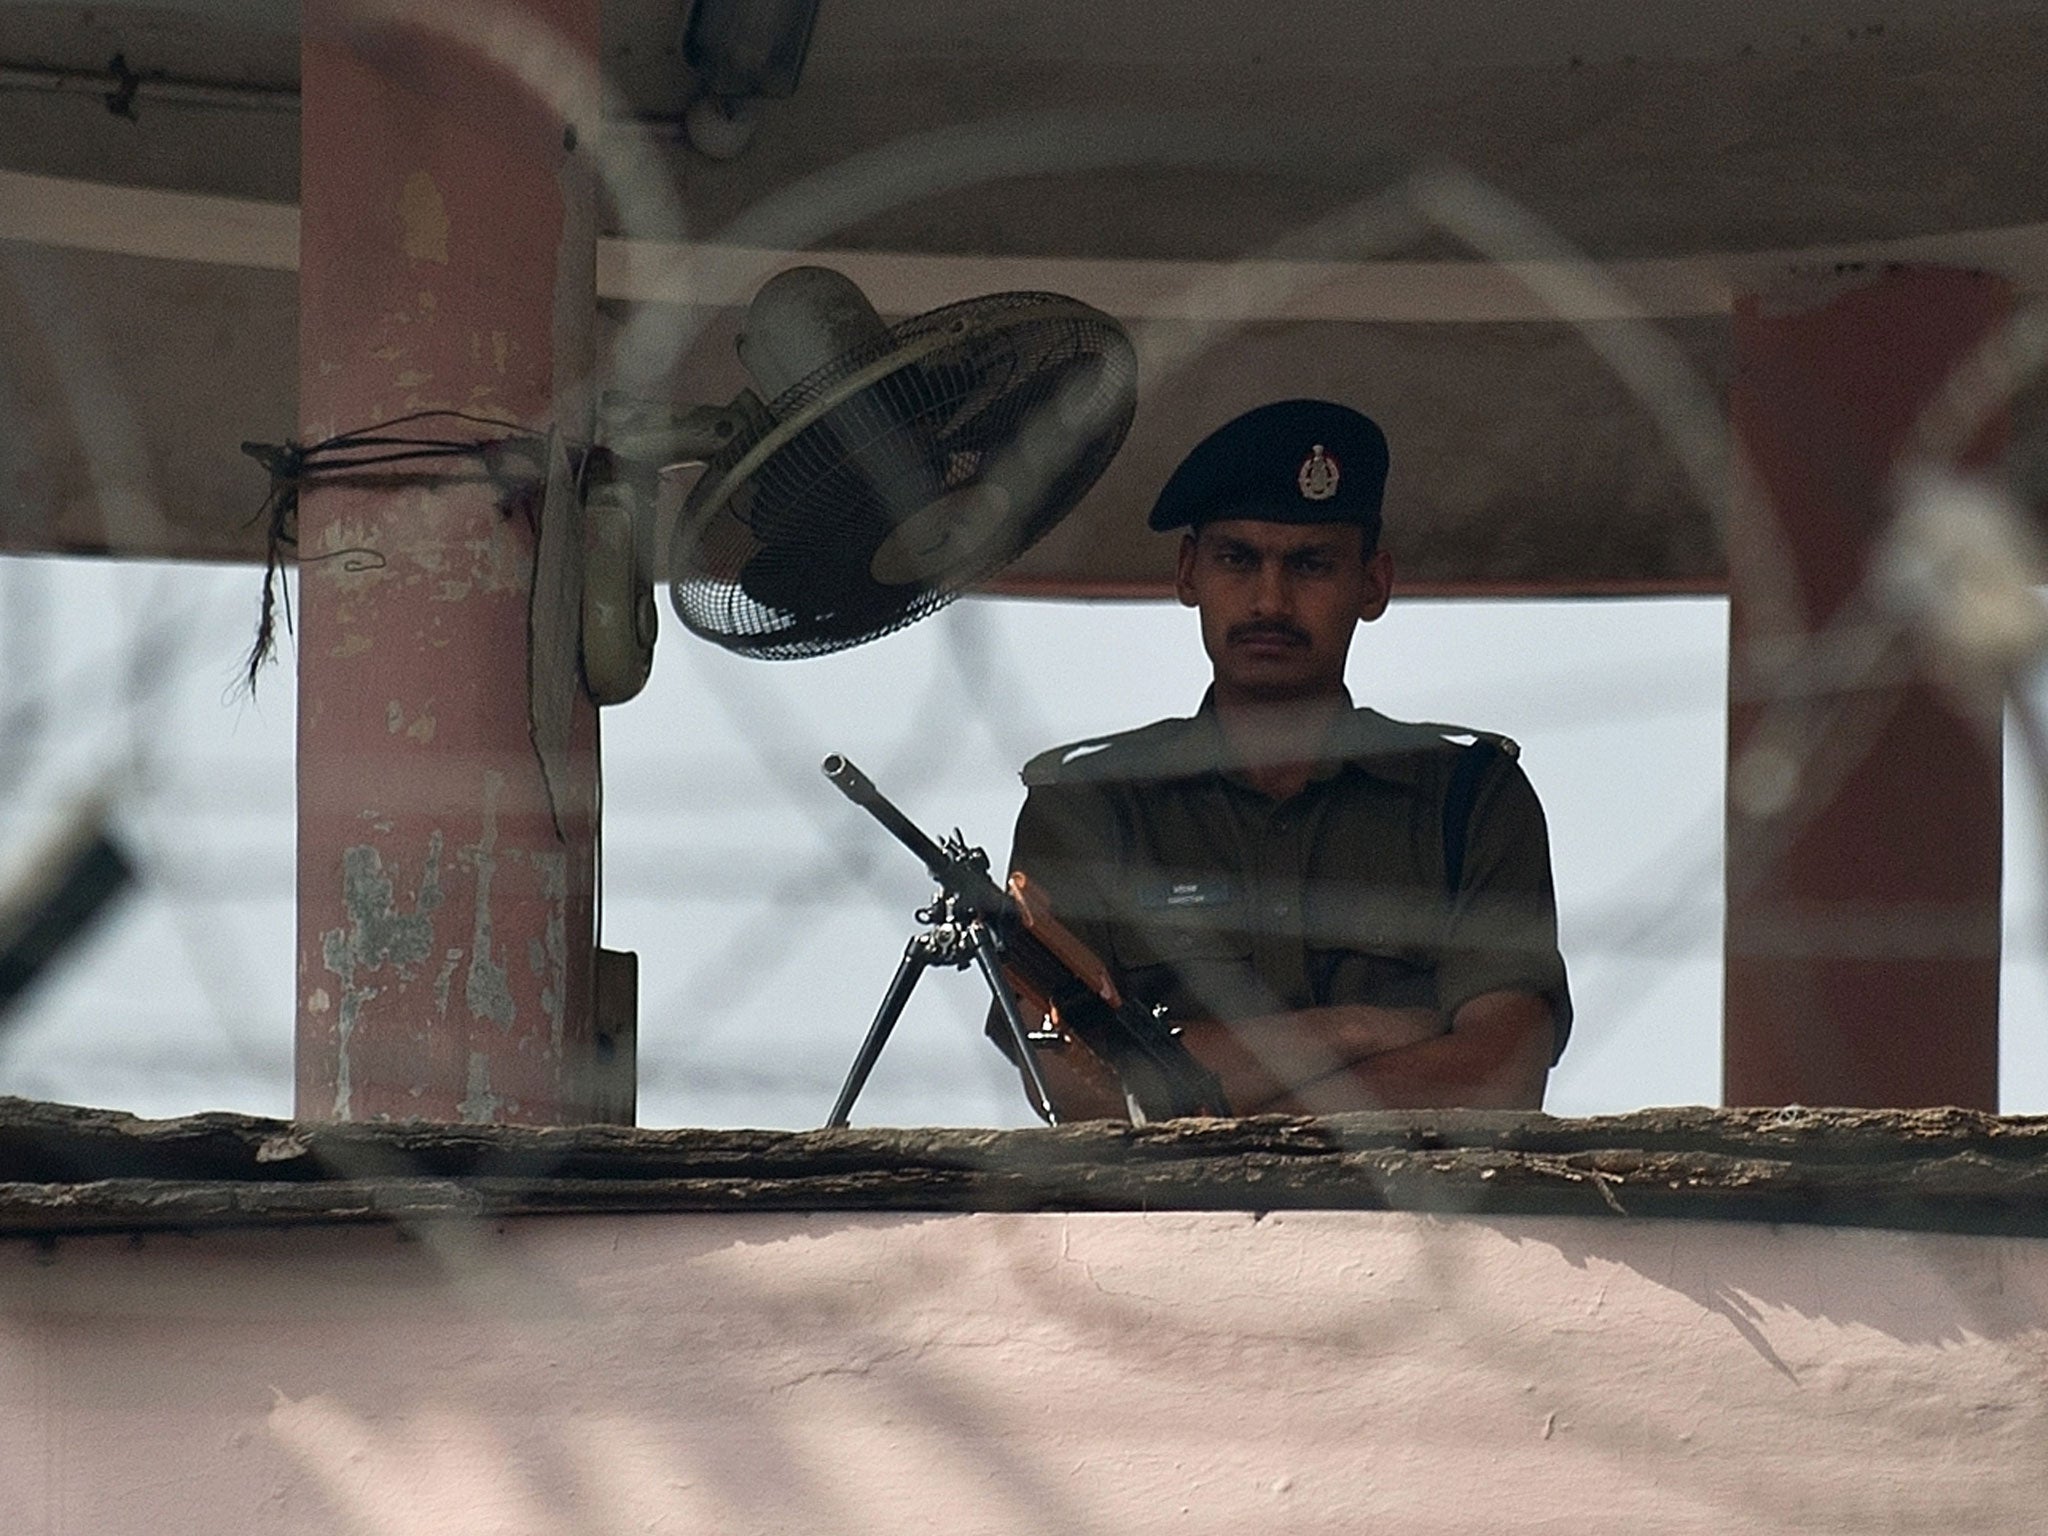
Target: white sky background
[769, 914]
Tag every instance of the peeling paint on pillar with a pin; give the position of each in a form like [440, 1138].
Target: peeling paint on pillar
[485, 990]
[479, 1105]
[440, 223]
[443, 980]
[377, 935]
[549, 955]
[423, 217]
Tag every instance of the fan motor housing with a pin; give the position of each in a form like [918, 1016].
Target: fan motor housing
[914, 464]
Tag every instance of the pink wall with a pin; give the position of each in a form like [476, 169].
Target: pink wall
[1349, 1372]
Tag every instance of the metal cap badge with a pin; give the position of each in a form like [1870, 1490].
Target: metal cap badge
[1318, 475]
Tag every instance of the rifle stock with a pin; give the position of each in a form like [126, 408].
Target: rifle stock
[1034, 911]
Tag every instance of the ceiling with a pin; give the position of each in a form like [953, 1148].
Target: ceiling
[1199, 170]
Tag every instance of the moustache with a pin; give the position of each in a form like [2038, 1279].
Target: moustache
[1286, 633]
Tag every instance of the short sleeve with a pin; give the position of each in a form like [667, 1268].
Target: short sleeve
[1502, 932]
[1059, 845]
[1065, 844]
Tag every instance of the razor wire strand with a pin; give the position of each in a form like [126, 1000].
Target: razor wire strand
[1448, 1276]
[772, 738]
[989, 709]
[1853, 660]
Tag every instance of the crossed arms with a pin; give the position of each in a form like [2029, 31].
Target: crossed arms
[1494, 1054]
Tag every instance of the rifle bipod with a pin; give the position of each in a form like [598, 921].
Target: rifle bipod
[956, 941]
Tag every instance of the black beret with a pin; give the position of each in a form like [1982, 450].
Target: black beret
[1294, 461]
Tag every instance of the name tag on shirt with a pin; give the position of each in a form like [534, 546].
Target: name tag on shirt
[1178, 894]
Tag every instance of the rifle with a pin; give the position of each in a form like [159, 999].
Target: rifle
[1029, 959]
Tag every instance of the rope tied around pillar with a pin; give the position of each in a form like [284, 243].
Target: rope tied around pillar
[515, 462]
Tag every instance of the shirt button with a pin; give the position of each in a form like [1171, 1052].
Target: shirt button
[1282, 906]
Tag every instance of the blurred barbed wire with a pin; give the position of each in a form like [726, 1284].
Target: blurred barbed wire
[1825, 709]
[768, 913]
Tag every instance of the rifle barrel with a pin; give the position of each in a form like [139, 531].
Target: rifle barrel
[860, 789]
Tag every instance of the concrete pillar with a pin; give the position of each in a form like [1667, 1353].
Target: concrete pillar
[446, 936]
[1864, 792]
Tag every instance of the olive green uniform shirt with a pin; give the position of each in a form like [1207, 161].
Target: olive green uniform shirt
[1209, 897]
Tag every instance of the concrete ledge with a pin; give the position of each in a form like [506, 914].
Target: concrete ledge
[68, 1170]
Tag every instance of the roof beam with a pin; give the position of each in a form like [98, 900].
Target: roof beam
[237, 232]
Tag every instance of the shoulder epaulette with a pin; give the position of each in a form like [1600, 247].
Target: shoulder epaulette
[1166, 748]
[1427, 735]
[1507, 746]
[1130, 754]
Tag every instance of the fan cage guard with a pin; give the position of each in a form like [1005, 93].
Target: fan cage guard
[1010, 405]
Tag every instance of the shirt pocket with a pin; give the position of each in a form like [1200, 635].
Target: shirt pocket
[1373, 945]
[1198, 969]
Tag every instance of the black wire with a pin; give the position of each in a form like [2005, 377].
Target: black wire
[290, 465]
[328, 467]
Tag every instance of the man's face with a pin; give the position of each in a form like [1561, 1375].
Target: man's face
[1279, 602]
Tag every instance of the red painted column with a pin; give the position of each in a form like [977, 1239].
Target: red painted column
[1864, 793]
[445, 932]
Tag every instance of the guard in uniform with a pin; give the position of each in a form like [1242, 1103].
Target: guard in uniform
[1340, 911]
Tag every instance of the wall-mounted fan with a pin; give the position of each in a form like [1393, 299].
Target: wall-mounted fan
[875, 472]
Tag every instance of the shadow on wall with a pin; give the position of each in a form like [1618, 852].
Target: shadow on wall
[1077, 1373]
